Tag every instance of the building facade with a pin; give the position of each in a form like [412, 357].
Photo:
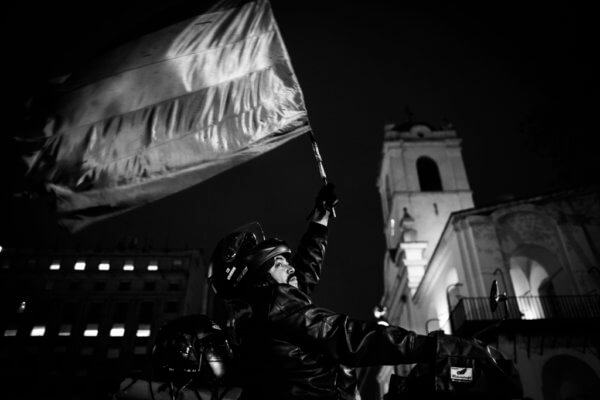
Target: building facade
[544, 252]
[74, 324]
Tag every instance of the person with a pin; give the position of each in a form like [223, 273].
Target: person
[191, 359]
[288, 347]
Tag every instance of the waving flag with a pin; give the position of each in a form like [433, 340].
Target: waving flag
[168, 111]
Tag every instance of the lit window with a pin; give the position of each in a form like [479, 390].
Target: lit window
[10, 332]
[128, 266]
[153, 266]
[80, 266]
[143, 330]
[118, 330]
[55, 266]
[91, 330]
[65, 330]
[104, 266]
[38, 330]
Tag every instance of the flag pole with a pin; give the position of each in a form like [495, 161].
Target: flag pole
[319, 160]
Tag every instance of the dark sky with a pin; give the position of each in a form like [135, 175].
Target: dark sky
[514, 80]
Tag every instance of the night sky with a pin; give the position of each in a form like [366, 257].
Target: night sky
[514, 80]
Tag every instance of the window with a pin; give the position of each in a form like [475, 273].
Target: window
[429, 175]
[38, 330]
[80, 265]
[150, 285]
[104, 266]
[10, 332]
[100, 285]
[118, 330]
[87, 351]
[153, 266]
[91, 330]
[388, 193]
[124, 285]
[177, 262]
[75, 285]
[113, 353]
[65, 330]
[55, 266]
[174, 286]
[143, 330]
[128, 266]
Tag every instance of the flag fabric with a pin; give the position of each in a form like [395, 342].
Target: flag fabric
[168, 111]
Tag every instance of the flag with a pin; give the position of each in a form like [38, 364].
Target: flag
[168, 111]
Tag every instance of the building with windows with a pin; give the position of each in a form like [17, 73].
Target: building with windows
[443, 255]
[74, 324]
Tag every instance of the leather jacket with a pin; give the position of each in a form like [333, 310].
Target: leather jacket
[292, 349]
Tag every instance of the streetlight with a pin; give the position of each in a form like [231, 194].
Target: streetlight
[448, 288]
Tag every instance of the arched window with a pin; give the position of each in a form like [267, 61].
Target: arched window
[531, 271]
[429, 175]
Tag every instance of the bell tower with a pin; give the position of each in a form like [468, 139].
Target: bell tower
[421, 182]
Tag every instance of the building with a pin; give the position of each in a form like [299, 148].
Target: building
[443, 256]
[74, 324]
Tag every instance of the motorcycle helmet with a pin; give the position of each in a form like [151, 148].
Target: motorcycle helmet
[242, 258]
[192, 347]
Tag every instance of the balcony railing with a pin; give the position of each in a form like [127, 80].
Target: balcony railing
[477, 309]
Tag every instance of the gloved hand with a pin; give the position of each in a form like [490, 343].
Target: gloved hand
[326, 200]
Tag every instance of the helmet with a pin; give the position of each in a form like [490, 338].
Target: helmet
[239, 258]
[192, 347]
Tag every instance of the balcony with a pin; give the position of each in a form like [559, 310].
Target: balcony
[472, 314]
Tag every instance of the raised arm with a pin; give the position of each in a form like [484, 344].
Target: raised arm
[308, 259]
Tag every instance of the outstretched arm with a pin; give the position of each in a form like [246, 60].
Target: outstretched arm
[352, 342]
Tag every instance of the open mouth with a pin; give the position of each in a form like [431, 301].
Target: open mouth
[292, 278]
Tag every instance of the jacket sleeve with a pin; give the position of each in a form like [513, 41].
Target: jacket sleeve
[308, 259]
[352, 342]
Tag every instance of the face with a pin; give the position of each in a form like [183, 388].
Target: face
[283, 272]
